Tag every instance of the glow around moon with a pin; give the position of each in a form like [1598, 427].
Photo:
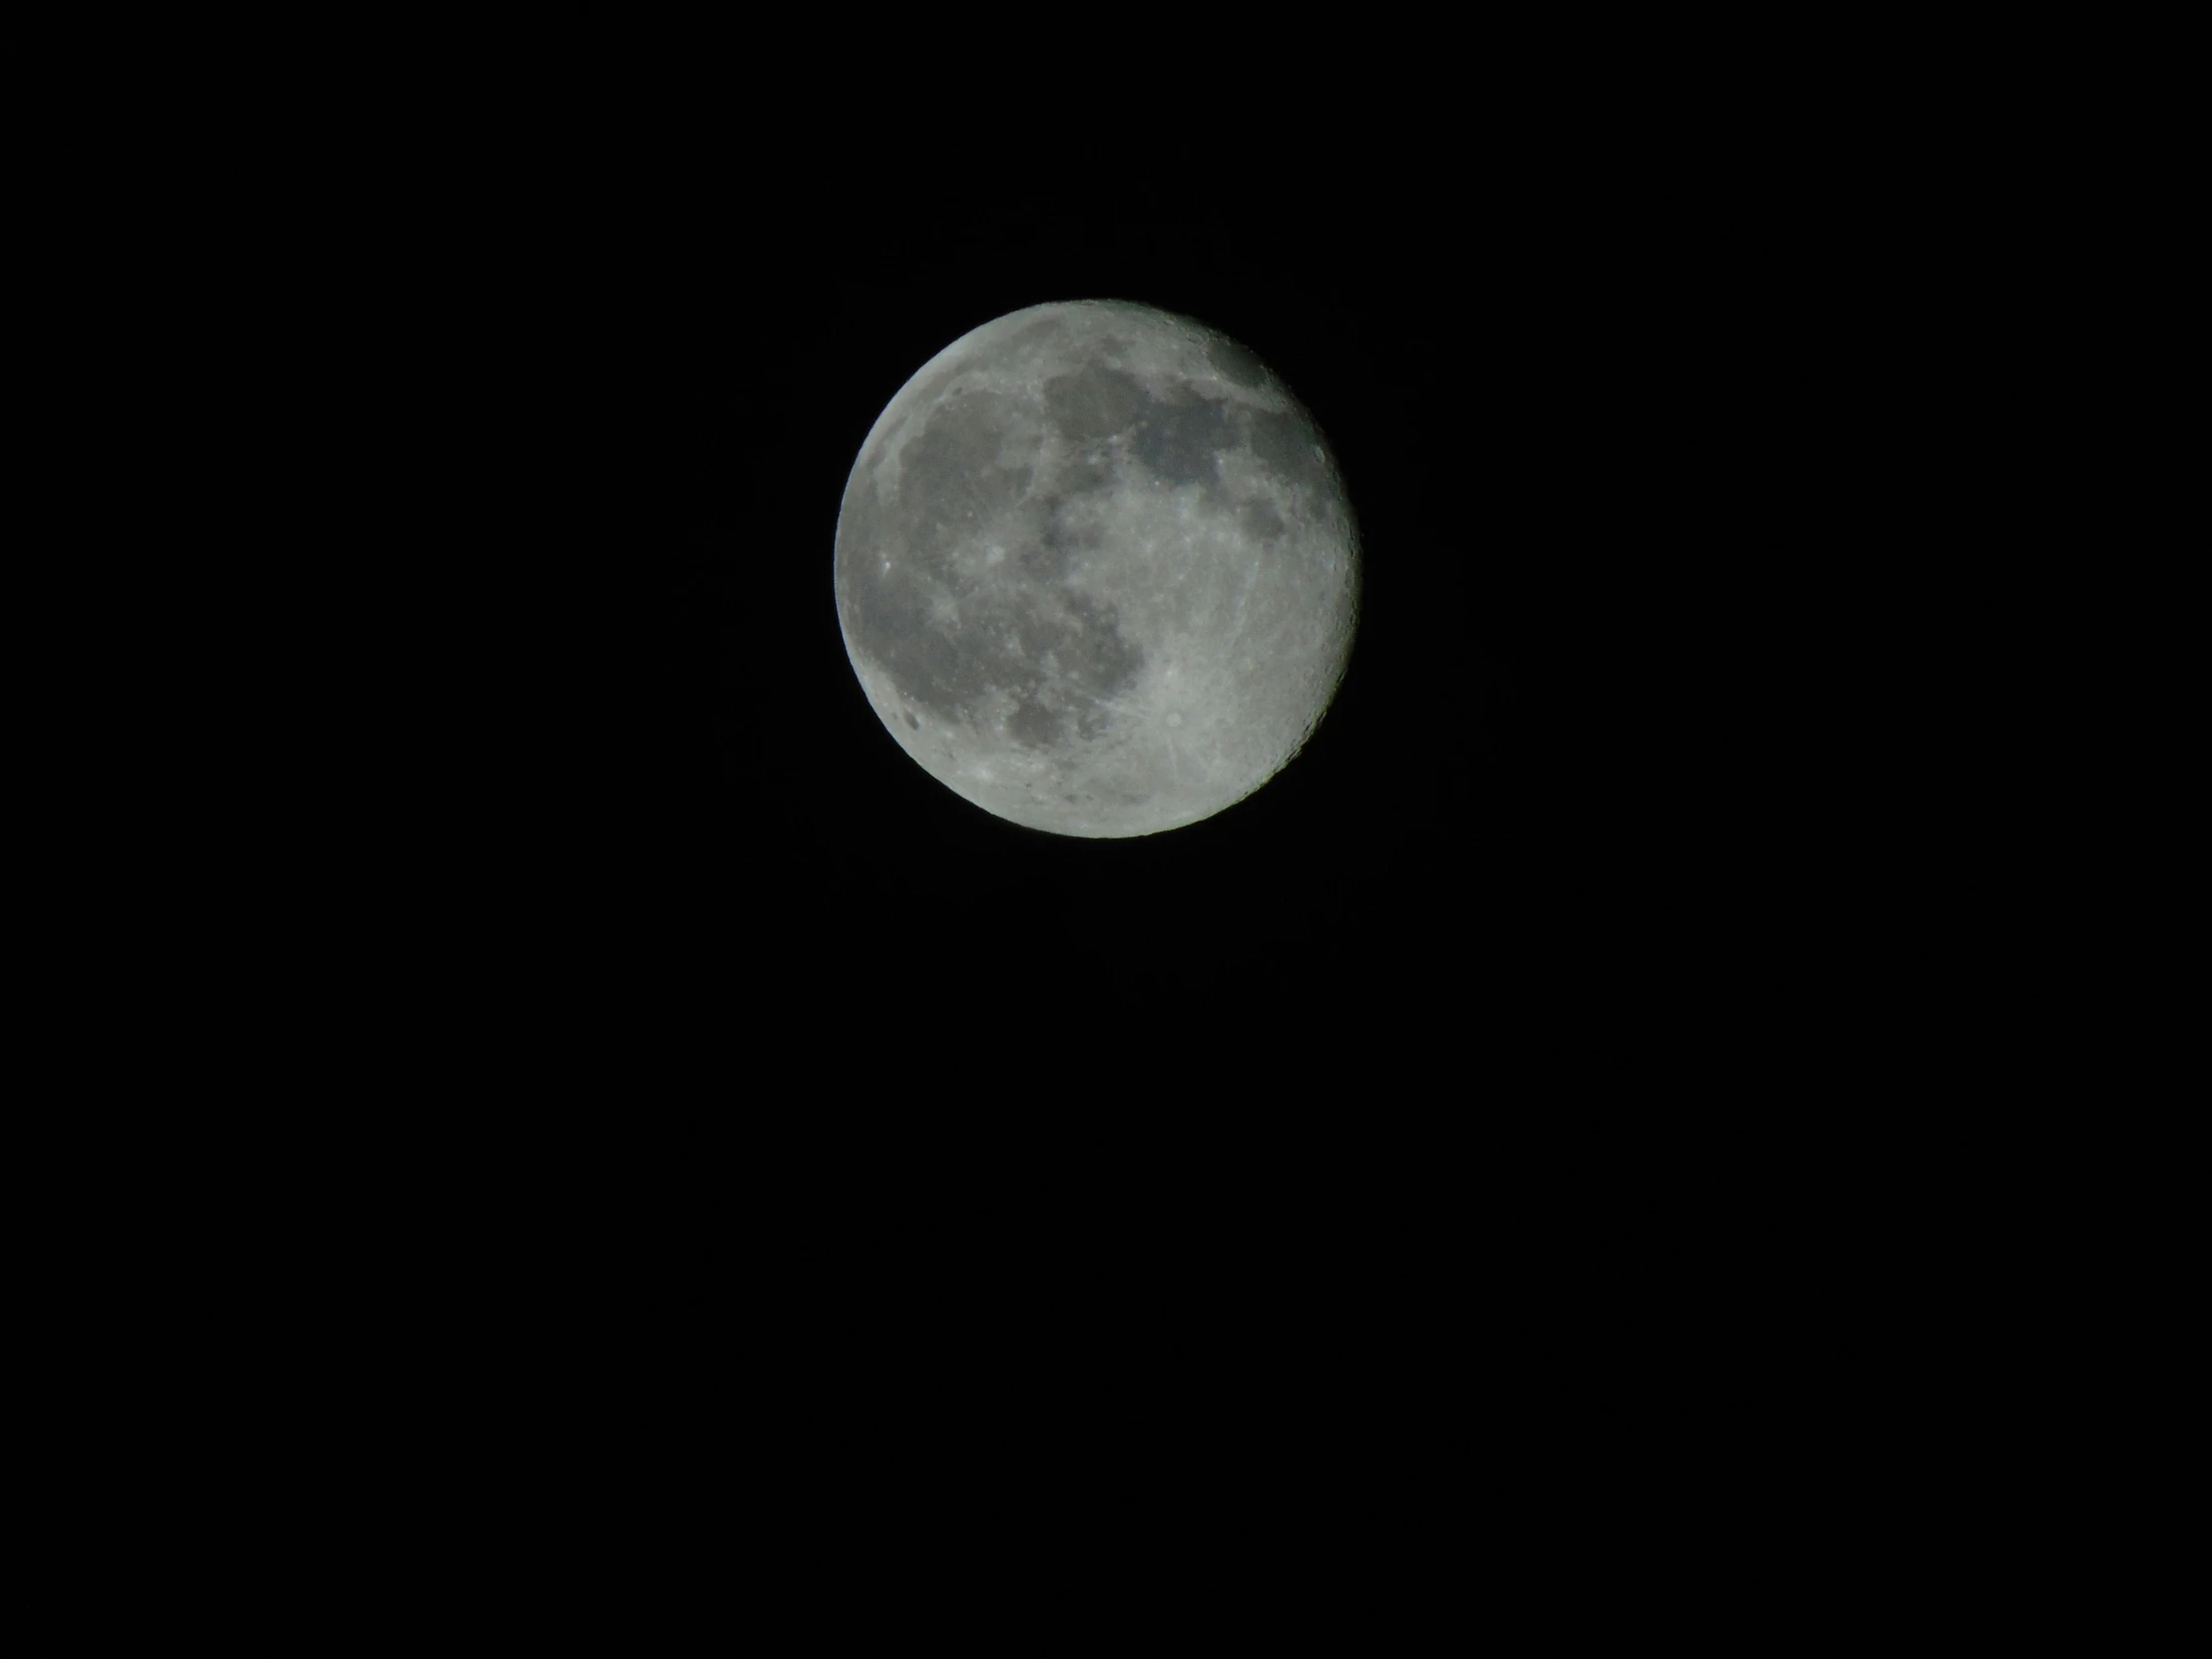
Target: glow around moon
[1096, 570]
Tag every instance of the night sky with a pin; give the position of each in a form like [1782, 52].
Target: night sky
[1444, 846]
[1496, 859]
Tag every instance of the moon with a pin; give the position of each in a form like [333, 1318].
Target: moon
[1096, 570]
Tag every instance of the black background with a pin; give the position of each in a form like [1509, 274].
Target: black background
[1461, 1075]
[1481, 862]
[1509, 957]
[1474, 1033]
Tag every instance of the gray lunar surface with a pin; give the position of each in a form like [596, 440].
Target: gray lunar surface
[1096, 570]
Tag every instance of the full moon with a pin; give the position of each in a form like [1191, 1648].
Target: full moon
[1096, 570]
